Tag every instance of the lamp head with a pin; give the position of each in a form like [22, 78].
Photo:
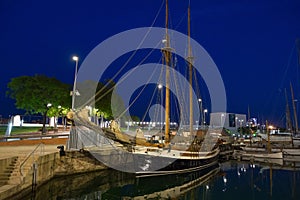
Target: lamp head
[75, 58]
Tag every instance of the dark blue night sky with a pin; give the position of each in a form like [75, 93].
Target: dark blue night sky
[251, 42]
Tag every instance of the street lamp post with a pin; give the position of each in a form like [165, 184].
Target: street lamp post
[201, 111]
[48, 105]
[73, 140]
[75, 58]
[222, 119]
[161, 102]
[205, 111]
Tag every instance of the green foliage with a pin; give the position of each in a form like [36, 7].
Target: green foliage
[34, 93]
[99, 96]
[135, 118]
[57, 111]
[247, 130]
[104, 99]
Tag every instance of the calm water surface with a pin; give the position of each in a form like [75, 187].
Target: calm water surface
[230, 180]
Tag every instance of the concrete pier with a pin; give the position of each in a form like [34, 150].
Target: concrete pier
[25, 168]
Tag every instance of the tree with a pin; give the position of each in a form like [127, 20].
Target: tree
[104, 101]
[93, 94]
[98, 97]
[37, 94]
[56, 112]
[135, 118]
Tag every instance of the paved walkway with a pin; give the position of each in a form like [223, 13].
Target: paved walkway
[10, 151]
[23, 148]
[26, 146]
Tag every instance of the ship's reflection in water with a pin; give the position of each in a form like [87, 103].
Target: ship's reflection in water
[230, 180]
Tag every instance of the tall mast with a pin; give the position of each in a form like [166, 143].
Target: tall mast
[268, 134]
[294, 108]
[190, 60]
[287, 113]
[167, 55]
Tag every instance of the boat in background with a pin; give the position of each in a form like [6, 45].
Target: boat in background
[261, 154]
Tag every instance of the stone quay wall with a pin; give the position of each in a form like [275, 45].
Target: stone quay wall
[48, 166]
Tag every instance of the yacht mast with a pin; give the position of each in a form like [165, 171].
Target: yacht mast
[167, 55]
[190, 60]
[294, 108]
[287, 113]
[268, 134]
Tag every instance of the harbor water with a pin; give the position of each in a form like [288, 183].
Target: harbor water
[229, 180]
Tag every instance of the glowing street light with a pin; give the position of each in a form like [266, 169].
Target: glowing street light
[205, 111]
[75, 58]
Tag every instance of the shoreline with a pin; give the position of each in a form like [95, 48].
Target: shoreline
[22, 160]
[49, 163]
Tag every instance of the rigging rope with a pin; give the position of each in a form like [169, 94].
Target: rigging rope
[270, 100]
[159, 99]
[150, 103]
[138, 94]
[129, 59]
[181, 101]
[121, 80]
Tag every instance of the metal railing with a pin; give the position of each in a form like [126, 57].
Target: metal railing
[30, 137]
[33, 153]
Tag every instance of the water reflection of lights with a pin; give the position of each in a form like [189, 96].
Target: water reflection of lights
[225, 181]
[243, 169]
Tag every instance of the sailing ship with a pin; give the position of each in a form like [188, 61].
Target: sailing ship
[136, 155]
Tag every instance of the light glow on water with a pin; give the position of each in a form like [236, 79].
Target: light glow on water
[229, 181]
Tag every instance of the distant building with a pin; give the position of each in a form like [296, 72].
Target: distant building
[231, 121]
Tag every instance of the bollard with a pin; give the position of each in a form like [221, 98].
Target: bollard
[61, 150]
